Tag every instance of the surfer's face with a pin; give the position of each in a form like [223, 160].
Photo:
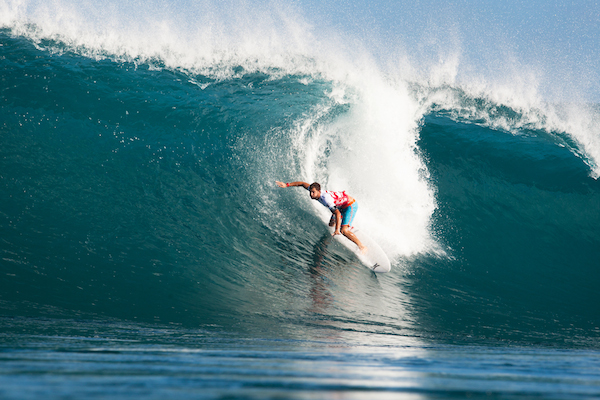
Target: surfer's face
[315, 194]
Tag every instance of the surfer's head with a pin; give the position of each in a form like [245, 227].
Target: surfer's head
[315, 191]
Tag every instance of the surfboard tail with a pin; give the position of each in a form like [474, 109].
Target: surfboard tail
[375, 258]
[380, 268]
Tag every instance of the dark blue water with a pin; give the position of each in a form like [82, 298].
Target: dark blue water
[145, 250]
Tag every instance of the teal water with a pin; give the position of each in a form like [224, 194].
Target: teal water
[146, 252]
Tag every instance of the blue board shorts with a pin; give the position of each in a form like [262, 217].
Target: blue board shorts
[349, 213]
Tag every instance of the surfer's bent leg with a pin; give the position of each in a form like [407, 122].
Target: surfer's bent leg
[348, 215]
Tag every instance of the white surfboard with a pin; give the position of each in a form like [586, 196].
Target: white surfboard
[375, 258]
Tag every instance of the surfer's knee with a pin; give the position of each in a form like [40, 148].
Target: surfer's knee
[345, 230]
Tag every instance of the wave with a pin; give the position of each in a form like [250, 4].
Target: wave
[138, 183]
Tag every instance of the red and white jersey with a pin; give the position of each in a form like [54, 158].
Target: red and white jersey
[334, 200]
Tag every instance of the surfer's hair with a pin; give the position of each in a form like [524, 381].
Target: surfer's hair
[315, 185]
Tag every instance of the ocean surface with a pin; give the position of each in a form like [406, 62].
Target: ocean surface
[146, 252]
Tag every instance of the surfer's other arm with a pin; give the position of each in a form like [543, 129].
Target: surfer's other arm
[289, 184]
[336, 220]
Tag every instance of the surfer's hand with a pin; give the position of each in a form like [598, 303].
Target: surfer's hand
[280, 184]
[337, 233]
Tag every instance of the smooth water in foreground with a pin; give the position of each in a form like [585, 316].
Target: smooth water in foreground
[79, 359]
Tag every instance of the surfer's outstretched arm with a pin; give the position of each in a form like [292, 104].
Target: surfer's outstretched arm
[288, 184]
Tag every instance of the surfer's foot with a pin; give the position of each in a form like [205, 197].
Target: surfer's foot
[363, 250]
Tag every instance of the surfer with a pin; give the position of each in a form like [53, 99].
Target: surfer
[342, 207]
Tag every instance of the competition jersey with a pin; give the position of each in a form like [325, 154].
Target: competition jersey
[334, 200]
